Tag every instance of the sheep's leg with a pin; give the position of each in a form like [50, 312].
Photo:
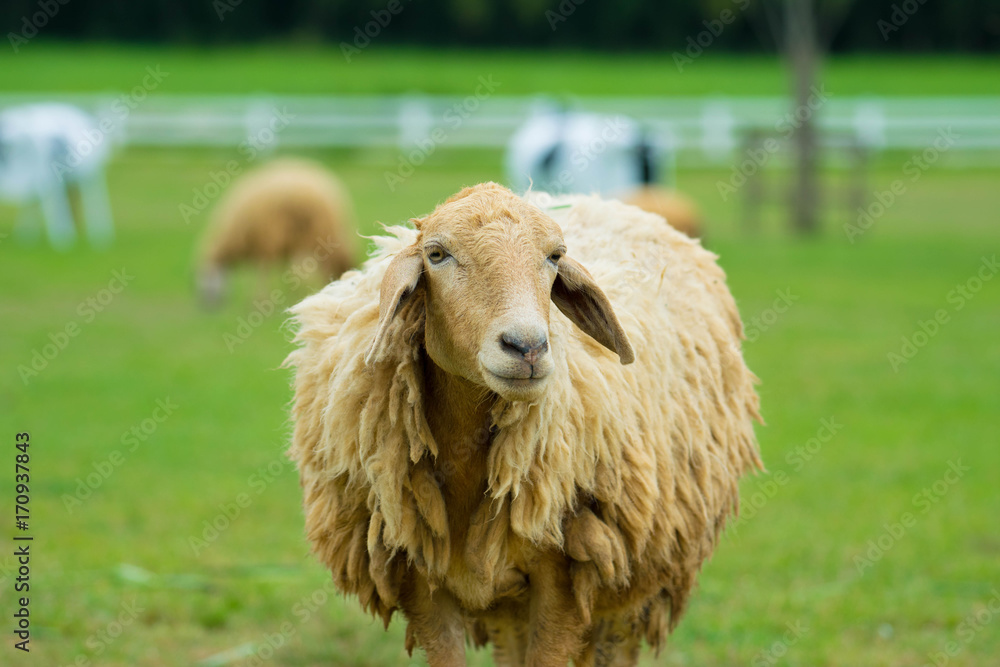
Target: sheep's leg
[557, 630]
[57, 214]
[614, 642]
[435, 621]
[96, 209]
[510, 642]
[263, 280]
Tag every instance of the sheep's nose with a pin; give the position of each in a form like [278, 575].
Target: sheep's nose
[528, 344]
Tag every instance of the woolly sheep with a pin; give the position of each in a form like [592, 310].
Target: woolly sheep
[500, 470]
[288, 210]
[677, 209]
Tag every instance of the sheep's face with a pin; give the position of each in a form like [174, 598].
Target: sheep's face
[490, 264]
[488, 268]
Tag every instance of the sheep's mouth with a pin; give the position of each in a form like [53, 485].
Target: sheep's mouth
[519, 381]
[531, 374]
[516, 388]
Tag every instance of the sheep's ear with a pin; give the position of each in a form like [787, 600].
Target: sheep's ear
[579, 298]
[399, 281]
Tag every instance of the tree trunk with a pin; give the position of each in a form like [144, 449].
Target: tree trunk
[802, 53]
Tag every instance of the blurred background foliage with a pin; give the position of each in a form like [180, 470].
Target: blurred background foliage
[955, 25]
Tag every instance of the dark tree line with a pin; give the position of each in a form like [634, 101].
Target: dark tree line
[946, 25]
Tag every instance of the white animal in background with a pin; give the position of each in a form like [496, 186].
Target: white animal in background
[572, 152]
[45, 150]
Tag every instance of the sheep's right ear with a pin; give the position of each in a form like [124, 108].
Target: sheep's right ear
[399, 281]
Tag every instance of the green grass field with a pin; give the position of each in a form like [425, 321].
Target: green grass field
[377, 69]
[116, 581]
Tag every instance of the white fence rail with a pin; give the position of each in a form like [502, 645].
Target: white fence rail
[702, 128]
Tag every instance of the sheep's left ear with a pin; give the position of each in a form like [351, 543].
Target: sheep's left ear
[399, 281]
[579, 298]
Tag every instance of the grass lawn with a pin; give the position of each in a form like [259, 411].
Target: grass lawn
[862, 546]
[126, 549]
[41, 66]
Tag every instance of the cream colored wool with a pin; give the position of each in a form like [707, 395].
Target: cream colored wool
[286, 210]
[630, 470]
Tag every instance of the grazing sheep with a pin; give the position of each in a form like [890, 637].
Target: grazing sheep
[678, 210]
[286, 211]
[498, 469]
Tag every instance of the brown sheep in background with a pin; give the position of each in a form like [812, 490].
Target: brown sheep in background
[286, 211]
[678, 210]
[500, 470]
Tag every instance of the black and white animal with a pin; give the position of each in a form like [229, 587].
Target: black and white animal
[572, 152]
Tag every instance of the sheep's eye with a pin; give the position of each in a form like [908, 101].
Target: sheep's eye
[556, 256]
[436, 255]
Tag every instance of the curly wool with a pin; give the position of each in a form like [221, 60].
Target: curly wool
[631, 470]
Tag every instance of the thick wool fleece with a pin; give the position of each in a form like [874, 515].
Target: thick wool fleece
[630, 470]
